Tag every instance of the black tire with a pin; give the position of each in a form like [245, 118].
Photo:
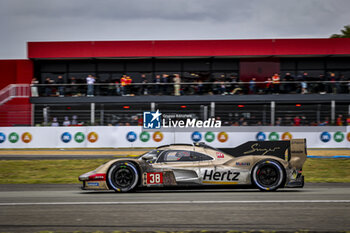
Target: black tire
[268, 175]
[122, 176]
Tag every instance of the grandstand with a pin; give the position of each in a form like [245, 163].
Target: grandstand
[224, 79]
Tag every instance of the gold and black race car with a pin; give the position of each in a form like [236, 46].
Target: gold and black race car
[267, 165]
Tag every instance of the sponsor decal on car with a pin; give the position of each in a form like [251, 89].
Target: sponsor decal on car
[220, 177]
[242, 164]
[220, 155]
[93, 184]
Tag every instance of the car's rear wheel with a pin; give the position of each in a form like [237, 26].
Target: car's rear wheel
[268, 175]
[123, 176]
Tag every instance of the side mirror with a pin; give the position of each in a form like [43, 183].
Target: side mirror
[148, 157]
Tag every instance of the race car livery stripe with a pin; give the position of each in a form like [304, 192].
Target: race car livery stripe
[218, 182]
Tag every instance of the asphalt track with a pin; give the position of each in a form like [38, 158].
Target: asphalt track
[32, 208]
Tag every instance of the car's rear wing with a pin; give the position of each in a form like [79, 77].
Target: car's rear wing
[293, 150]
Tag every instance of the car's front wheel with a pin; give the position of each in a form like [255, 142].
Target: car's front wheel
[123, 176]
[268, 175]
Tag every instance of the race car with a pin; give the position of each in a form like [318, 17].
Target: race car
[266, 165]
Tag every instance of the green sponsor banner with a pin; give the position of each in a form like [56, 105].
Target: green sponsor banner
[145, 136]
[79, 137]
[209, 136]
[338, 136]
[273, 136]
[13, 137]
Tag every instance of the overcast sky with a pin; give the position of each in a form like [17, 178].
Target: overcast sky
[77, 20]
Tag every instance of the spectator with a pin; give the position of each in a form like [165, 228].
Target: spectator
[123, 85]
[297, 121]
[177, 86]
[55, 122]
[73, 88]
[66, 121]
[90, 80]
[157, 84]
[325, 122]
[143, 90]
[268, 86]
[200, 87]
[252, 86]
[222, 88]
[332, 85]
[60, 87]
[118, 89]
[128, 87]
[34, 88]
[276, 83]
[322, 85]
[304, 80]
[165, 83]
[74, 120]
[340, 120]
[234, 85]
[48, 89]
[288, 86]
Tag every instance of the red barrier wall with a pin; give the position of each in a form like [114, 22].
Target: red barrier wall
[15, 111]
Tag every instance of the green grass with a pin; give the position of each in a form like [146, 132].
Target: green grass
[67, 171]
[327, 170]
[46, 171]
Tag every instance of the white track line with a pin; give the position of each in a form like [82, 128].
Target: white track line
[172, 202]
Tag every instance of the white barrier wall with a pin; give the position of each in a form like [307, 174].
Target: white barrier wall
[129, 136]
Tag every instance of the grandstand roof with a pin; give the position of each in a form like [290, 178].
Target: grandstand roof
[189, 48]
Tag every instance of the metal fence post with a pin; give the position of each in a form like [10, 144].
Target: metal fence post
[92, 117]
[212, 109]
[273, 105]
[332, 111]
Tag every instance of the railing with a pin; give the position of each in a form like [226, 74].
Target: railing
[14, 91]
[191, 88]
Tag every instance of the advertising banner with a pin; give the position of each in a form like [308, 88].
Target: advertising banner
[136, 136]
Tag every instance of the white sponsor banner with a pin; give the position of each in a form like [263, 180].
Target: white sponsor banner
[130, 136]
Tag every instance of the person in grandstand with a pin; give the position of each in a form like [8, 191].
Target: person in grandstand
[177, 86]
[90, 80]
[60, 87]
[276, 83]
